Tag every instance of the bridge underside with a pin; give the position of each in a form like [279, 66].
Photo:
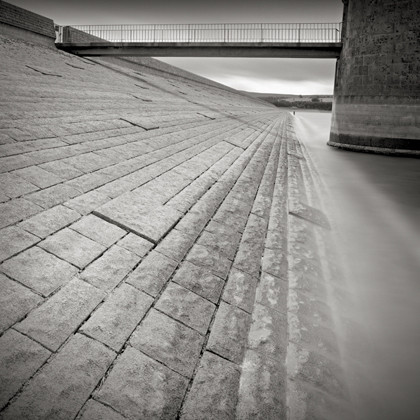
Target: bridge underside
[205, 49]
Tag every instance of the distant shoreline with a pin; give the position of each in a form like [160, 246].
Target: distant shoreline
[320, 102]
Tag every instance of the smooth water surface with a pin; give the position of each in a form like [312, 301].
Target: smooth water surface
[376, 208]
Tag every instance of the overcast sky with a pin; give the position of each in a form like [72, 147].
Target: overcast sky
[297, 76]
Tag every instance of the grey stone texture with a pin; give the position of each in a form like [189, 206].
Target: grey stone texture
[377, 92]
[20, 358]
[72, 247]
[16, 301]
[39, 270]
[110, 268]
[114, 321]
[187, 307]
[152, 273]
[127, 388]
[154, 262]
[60, 389]
[169, 342]
[53, 322]
[213, 394]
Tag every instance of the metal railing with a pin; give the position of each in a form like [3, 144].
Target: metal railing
[219, 32]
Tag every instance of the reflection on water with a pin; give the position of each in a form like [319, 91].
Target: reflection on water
[376, 207]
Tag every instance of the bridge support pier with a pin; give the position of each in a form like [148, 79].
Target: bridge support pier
[377, 90]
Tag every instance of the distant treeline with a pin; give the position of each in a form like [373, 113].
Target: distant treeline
[313, 104]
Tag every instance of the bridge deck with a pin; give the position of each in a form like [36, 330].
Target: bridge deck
[300, 40]
[205, 49]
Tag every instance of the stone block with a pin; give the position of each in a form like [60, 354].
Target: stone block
[39, 270]
[272, 293]
[13, 240]
[62, 386]
[94, 410]
[268, 332]
[87, 202]
[319, 371]
[58, 167]
[187, 307]
[199, 280]
[275, 263]
[169, 342]
[109, 269]
[140, 216]
[248, 258]
[114, 321]
[14, 186]
[49, 221]
[39, 177]
[136, 244]
[16, 210]
[52, 196]
[15, 302]
[262, 389]
[240, 290]
[128, 387]
[89, 182]
[214, 392]
[72, 247]
[208, 258]
[98, 230]
[58, 317]
[193, 222]
[228, 337]
[153, 273]
[225, 245]
[175, 245]
[20, 358]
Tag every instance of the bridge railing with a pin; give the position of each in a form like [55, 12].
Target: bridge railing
[225, 33]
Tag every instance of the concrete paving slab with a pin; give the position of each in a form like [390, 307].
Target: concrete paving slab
[16, 301]
[187, 307]
[136, 244]
[228, 337]
[20, 358]
[128, 390]
[72, 247]
[58, 317]
[93, 410]
[39, 270]
[114, 321]
[213, 394]
[199, 280]
[49, 221]
[110, 268]
[61, 388]
[98, 230]
[169, 342]
[14, 240]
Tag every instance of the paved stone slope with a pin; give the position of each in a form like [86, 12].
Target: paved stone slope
[161, 250]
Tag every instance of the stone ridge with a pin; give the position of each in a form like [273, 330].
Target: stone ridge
[160, 250]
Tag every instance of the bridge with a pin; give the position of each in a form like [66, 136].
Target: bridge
[297, 40]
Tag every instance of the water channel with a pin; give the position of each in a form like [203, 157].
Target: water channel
[376, 208]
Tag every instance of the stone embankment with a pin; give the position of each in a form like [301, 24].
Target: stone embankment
[162, 250]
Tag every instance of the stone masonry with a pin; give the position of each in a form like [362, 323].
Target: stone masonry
[377, 90]
[161, 247]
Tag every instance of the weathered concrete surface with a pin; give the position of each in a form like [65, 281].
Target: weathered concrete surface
[160, 249]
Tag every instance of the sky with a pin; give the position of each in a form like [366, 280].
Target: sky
[268, 75]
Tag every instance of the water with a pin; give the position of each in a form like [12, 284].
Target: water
[376, 206]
